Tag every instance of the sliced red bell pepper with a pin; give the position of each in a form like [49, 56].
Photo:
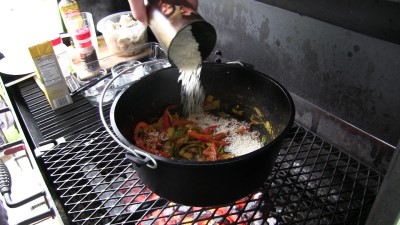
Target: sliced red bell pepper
[221, 142]
[181, 122]
[211, 153]
[138, 141]
[210, 129]
[207, 137]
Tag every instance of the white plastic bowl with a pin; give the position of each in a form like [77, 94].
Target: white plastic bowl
[119, 37]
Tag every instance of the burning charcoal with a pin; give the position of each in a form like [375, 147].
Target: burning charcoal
[324, 221]
[132, 208]
[278, 209]
[295, 170]
[117, 182]
[306, 169]
[281, 173]
[183, 208]
[279, 158]
[277, 182]
[325, 182]
[100, 188]
[287, 219]
[333, 197]
[96, 181]
[258, 215]
[257, 195]
[271, 221]
[115, 210]
[258, 222]
[251, 206]
[285, 165]
[314, 212]
[205, 214]
[322, 191]
[295, 197]
[91, 173]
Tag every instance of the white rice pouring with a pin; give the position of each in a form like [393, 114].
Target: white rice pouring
[184, 52]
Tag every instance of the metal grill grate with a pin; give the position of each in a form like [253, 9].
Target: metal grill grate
[312, 183]
[79, 117]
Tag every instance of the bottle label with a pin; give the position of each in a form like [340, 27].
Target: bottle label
[69, 10]
[89, 58]
[47, 64]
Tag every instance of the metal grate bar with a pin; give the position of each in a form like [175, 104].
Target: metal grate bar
[312, 183]
[73, 119]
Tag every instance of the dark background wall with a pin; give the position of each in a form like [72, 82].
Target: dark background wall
[376, 18]
[352, 75]
[103, 8]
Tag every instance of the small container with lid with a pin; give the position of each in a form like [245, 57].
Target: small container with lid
[90, 63]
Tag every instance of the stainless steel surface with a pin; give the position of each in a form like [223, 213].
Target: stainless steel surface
[386, 208]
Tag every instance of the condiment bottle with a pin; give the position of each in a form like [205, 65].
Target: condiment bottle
[61, 51]
[87, 53]
[68, 9]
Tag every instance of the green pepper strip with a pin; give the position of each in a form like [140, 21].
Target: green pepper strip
[179, 132]
[210, 129]
[185, 148]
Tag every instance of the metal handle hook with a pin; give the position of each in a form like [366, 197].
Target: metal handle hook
[142, 157]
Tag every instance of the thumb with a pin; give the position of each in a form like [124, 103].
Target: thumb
[193, 3]
[138, 10]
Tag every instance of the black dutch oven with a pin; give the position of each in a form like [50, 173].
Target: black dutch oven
[204, 183]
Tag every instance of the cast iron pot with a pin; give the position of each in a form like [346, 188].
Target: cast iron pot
[204, 183]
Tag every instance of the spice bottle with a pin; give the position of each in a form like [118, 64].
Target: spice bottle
[88, 55]
[61, 51]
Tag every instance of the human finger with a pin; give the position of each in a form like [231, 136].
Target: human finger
[138, 10]
[194, 3]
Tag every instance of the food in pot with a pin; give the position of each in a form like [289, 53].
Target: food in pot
[201, 137]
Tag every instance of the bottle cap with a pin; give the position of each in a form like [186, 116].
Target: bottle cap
[56, 41]
[82, 33]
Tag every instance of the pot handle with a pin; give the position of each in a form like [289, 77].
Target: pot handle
[247, 65]
[140, 158]
[138, 161]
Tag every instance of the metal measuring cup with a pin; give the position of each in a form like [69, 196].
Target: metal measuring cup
[167, 18]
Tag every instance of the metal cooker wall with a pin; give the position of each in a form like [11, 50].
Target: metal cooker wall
[380, 19]
[353, 76]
